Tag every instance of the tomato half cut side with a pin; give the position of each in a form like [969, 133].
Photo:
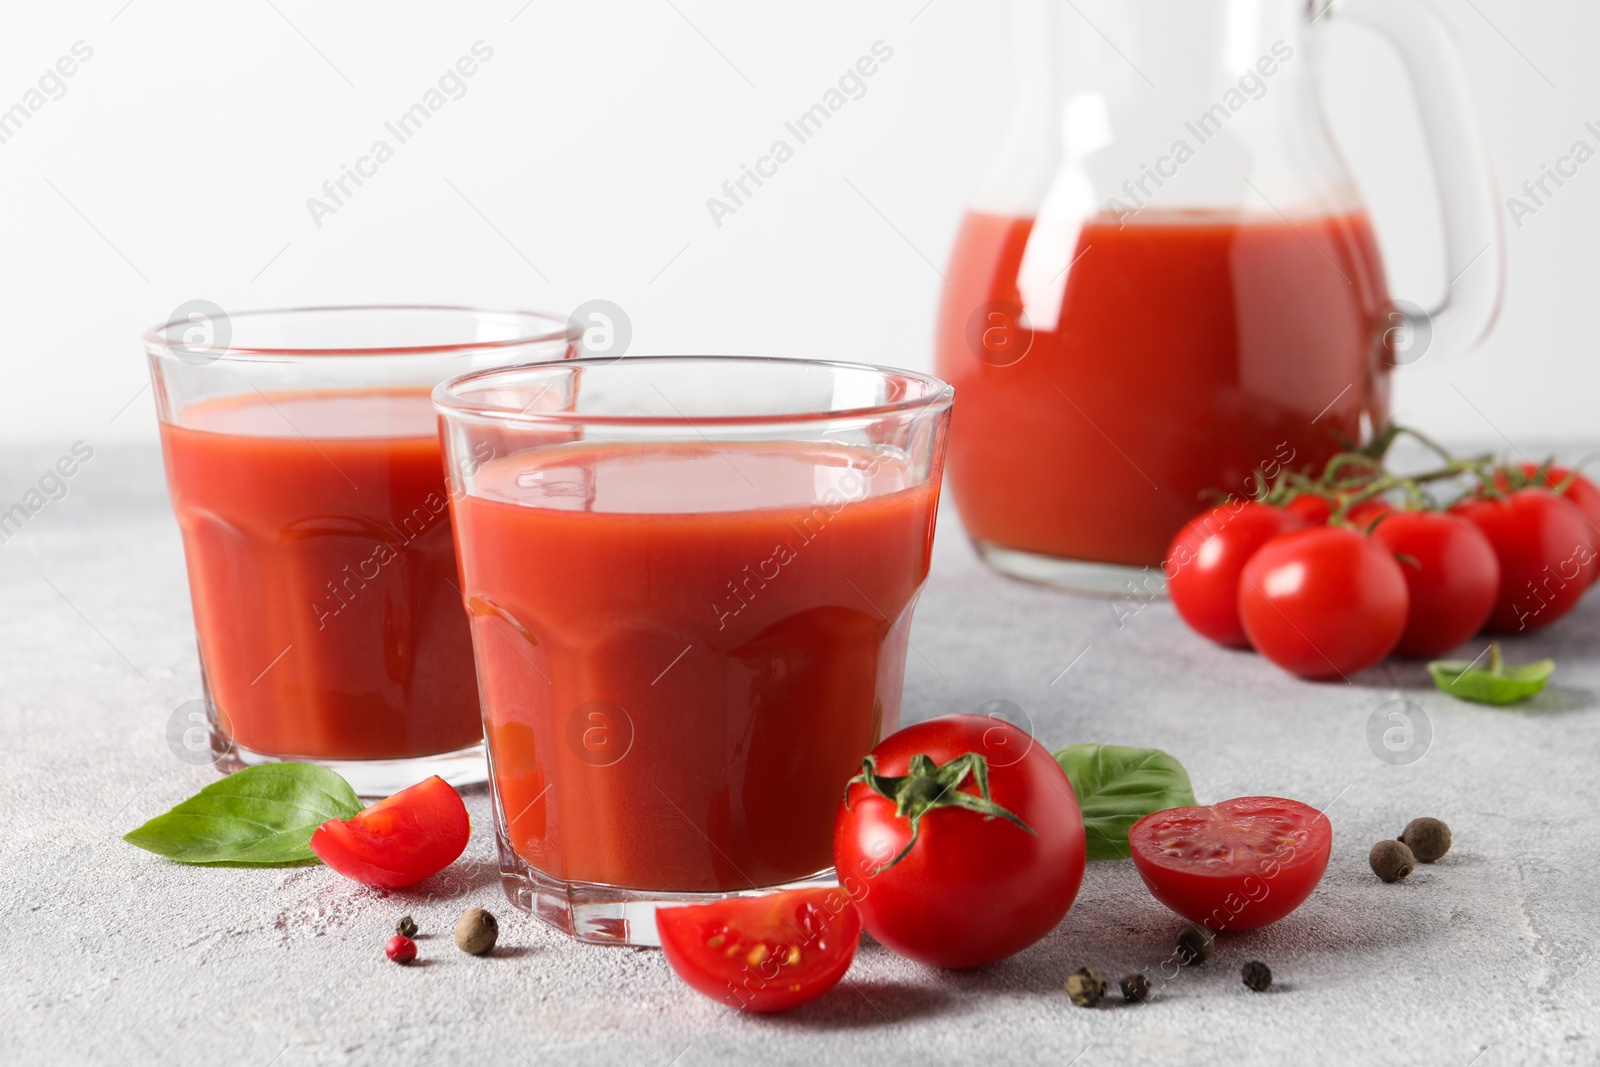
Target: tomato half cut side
[400, 840]
[765, 953]
[1238, 865]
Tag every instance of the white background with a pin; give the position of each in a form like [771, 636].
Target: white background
[577, 166]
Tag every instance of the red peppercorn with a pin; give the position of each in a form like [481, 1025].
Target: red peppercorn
[401, 949]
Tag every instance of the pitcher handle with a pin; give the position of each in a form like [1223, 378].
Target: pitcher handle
[1474, 234]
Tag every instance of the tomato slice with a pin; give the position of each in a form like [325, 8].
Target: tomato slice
[398, 841]
[766, 953]
[1238, 865]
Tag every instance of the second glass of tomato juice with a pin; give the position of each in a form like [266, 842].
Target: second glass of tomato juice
[304, 465]
[690, 581]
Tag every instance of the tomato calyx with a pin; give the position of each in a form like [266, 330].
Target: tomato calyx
[928, 787]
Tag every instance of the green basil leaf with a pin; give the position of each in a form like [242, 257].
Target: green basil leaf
[1117, 787]
[1460, 678]
[258, 817]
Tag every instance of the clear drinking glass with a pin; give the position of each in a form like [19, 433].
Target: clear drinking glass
[1169, 279]
[304, 465]
[691, 581]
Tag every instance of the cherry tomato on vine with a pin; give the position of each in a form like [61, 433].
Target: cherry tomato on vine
[399, 841]
[1364, 515]
[1452, 577]
[1581, 493]
[1324, 602]
[1311, 509]
[763, 953]
[987, 858]
[1546, 552]
[1205, 560]
[1238, 865]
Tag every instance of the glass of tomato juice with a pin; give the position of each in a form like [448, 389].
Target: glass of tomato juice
[690, 581]
[304, 465]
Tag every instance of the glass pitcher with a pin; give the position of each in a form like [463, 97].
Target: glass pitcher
[1169, 280]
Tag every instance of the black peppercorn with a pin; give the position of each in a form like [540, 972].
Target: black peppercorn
[476, 932]
[1391, 861]
[1136, 989]
[1086, 987]
[1257, 976]
[1428, 839]
[406, 927]
[1194, 944]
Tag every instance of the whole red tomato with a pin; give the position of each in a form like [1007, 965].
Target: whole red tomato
[1238, 865]
[1324, 602]
[1364, 515]
[1581, 493]
[1452, 576]
[1311, 509]
[961, 879]
[1206, 557]
[1546, 552]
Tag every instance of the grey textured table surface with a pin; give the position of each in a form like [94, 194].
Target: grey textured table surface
[115, 956]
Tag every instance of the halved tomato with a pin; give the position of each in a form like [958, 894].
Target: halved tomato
[765, 953]
[1238, 865]
[398, 841]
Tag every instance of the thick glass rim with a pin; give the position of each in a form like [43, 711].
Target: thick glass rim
[450, 399]
[550, 327]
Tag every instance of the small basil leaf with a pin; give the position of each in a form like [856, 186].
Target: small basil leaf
[1117, 787]
[1460, 678]
[258, 817]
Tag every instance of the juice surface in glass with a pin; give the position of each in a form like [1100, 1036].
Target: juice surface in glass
[322, 573]
[685, 656]
[1183, 351]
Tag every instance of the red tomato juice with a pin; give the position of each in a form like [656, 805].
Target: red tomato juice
[322, 573]
[683, 658]
[1186, 350]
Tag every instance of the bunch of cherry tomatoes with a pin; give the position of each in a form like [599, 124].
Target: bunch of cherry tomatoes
[1326, 576]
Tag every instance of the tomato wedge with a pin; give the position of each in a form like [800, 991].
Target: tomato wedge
[766, 953]
[1238, 865]
[398, 841]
